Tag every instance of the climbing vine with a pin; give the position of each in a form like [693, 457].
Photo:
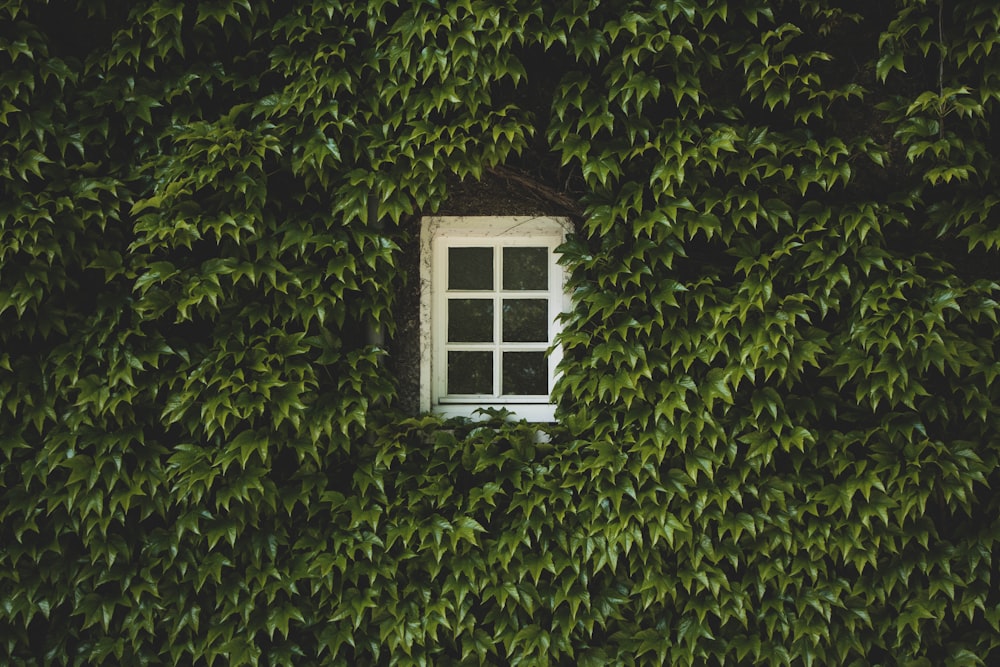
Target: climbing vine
[777, 438]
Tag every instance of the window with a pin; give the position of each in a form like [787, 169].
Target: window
[491, 293]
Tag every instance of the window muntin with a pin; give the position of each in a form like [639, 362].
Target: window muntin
[507, 318]
[494, 295]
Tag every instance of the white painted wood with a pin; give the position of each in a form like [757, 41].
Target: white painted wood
[437, 235]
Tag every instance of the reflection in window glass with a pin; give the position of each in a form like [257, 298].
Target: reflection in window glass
[525, 268]
[470, 320]
[525, 320]
[470, 268]
[470, 372]
[525, 373]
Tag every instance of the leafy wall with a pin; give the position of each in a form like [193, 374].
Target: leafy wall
[779, 425]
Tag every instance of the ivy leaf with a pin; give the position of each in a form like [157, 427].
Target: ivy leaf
[890, 61]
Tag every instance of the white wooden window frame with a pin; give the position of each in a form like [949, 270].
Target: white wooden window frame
[439, 233]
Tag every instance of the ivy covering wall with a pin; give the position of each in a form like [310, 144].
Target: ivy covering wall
[779, 421]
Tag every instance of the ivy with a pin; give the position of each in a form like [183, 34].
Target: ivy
[777, 426]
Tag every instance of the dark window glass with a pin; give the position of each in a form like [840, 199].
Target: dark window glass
[470, 268]
[470, 372]
[470, 320]
[525, 373]
[525, 320]
[525, 268]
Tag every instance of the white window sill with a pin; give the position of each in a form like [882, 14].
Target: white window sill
[532, 412]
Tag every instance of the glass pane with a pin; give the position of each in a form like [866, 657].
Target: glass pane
[525, 320]
[525, 268]
[525, 373]
[470, 268]
[470, 372]
[470, 320]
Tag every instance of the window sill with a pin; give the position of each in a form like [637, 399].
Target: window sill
[531, 412]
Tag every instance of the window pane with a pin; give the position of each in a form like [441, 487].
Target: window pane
[525, 320]
[470, 372]
[470, 320]
[470, 268]
[525, 268]
[525, 373]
